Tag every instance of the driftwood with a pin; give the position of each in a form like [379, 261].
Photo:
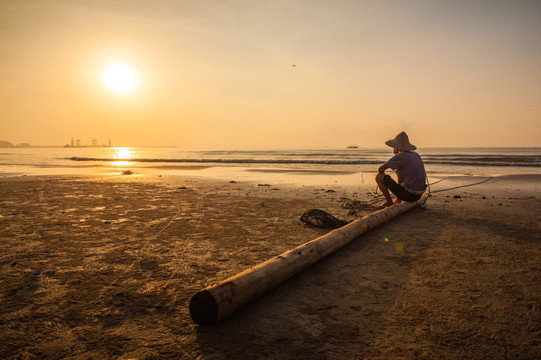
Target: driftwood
[218, 301]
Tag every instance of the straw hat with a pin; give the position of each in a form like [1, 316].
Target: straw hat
[401, 142]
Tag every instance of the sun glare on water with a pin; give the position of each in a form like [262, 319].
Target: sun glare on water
[122, 157]
[120, 78]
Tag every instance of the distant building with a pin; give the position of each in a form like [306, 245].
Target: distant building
[77, 143]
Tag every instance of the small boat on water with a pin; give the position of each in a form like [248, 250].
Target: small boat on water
[352, 146]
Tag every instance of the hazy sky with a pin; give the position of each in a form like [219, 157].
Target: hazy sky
[218, 73]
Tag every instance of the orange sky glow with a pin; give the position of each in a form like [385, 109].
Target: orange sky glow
[220, 73]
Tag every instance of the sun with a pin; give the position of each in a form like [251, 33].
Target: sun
[119, 78]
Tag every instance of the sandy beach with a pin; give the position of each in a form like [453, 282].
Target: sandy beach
[103, 267]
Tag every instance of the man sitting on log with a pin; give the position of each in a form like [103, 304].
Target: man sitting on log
[409, 169]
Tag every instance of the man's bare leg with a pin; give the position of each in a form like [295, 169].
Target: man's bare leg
[384, 191]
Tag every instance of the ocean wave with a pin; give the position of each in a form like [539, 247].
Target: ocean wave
[487, 158]
[438, 160]
[482, 164]
[236, 161]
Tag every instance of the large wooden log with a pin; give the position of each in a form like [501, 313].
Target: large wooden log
[218, 301]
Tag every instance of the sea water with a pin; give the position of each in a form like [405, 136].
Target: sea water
[309, 166]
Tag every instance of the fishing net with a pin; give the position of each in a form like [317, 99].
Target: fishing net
[321, 218]
[357, 206]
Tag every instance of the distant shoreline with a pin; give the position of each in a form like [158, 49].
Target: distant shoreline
[225, 148]
[83, 146]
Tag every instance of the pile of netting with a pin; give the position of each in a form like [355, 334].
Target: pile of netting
[323, 219]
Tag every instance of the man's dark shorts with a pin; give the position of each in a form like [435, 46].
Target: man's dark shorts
[397, 189]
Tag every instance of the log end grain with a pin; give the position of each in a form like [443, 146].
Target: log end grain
[203, 308]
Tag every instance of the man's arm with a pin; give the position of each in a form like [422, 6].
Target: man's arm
[382, 168]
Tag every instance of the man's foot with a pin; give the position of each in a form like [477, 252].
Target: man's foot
[385, 204]
[397, 201]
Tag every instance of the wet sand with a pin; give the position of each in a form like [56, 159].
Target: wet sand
[103, 267]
